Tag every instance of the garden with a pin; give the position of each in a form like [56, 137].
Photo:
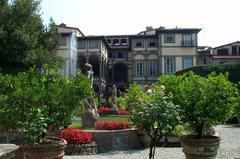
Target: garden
[40, 104]
[42, 112]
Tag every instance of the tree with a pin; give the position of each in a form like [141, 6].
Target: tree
[157, 117]
[203, 100]
[24, 40]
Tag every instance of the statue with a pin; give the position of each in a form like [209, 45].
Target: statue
[91, 116]
[89, 72]
[114, 98]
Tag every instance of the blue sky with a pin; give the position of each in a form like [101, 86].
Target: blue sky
[219, 19]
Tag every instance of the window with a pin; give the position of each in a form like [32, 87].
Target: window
[206, 60]
[187, 40]
[152, 68]
[124, 42]
[63, 40]
[169, 63]
[222, 52]
[81, 44]
[152, 43]
[119, 54]
[169, 38]
[93, 44]
[139, 69]
[234, 50]
[139, 44]
[115, 41]
[187, 62]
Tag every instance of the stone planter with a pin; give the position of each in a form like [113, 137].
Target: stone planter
[42, 151]
[204, 148]
[83, 149]
[116, 140]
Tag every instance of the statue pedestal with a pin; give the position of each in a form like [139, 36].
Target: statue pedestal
[88, 121]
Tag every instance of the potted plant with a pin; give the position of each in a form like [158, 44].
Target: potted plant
[32, 101]
[204, 102]
[157, 117]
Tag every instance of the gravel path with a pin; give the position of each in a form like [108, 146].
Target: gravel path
[229, 149]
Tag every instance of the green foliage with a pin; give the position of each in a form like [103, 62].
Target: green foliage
[121, 102]
[157, 117]
[203, 100]
[135, 97]
[180, 130]
[24, 40]
[33, 100]
[233, 69]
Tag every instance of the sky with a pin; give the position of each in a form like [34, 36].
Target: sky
[218, 19]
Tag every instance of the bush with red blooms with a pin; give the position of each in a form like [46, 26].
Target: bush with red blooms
[122, 112]
[104, 110]
[76, 136]
[112, 125]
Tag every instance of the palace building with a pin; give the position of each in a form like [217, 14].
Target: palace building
[125, 59]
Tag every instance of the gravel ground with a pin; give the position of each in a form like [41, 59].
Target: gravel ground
[229, 148]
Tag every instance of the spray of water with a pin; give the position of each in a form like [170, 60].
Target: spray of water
[73, 55]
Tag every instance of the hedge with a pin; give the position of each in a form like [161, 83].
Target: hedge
[232, 68]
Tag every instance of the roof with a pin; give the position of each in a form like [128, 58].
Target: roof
[171, 30]
[227, 44]
[62, 25]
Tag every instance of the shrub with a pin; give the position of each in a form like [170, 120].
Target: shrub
[232, 68]
[135, 98]
[76, 136]
[111, 125]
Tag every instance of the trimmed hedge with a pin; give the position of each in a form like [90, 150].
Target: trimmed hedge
[232, 68]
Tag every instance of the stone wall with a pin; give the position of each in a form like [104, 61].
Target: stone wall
[11, 137]
[116, 140]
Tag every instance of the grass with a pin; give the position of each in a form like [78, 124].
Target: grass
[77, 123]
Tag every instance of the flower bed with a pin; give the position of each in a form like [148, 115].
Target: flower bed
[110, 125]
[79, 142]
[122, 112]
[104, 111]
[109, 111]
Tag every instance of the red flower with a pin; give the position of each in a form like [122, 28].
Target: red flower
[111, 125]
[122, 112]
[75, 136]
[104, 110]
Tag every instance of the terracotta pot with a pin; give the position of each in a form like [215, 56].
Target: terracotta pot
[42, 151]
[195, 148]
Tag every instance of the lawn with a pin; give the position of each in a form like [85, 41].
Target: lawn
[77, 122]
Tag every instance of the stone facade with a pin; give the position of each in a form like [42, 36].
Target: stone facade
[124, 59]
